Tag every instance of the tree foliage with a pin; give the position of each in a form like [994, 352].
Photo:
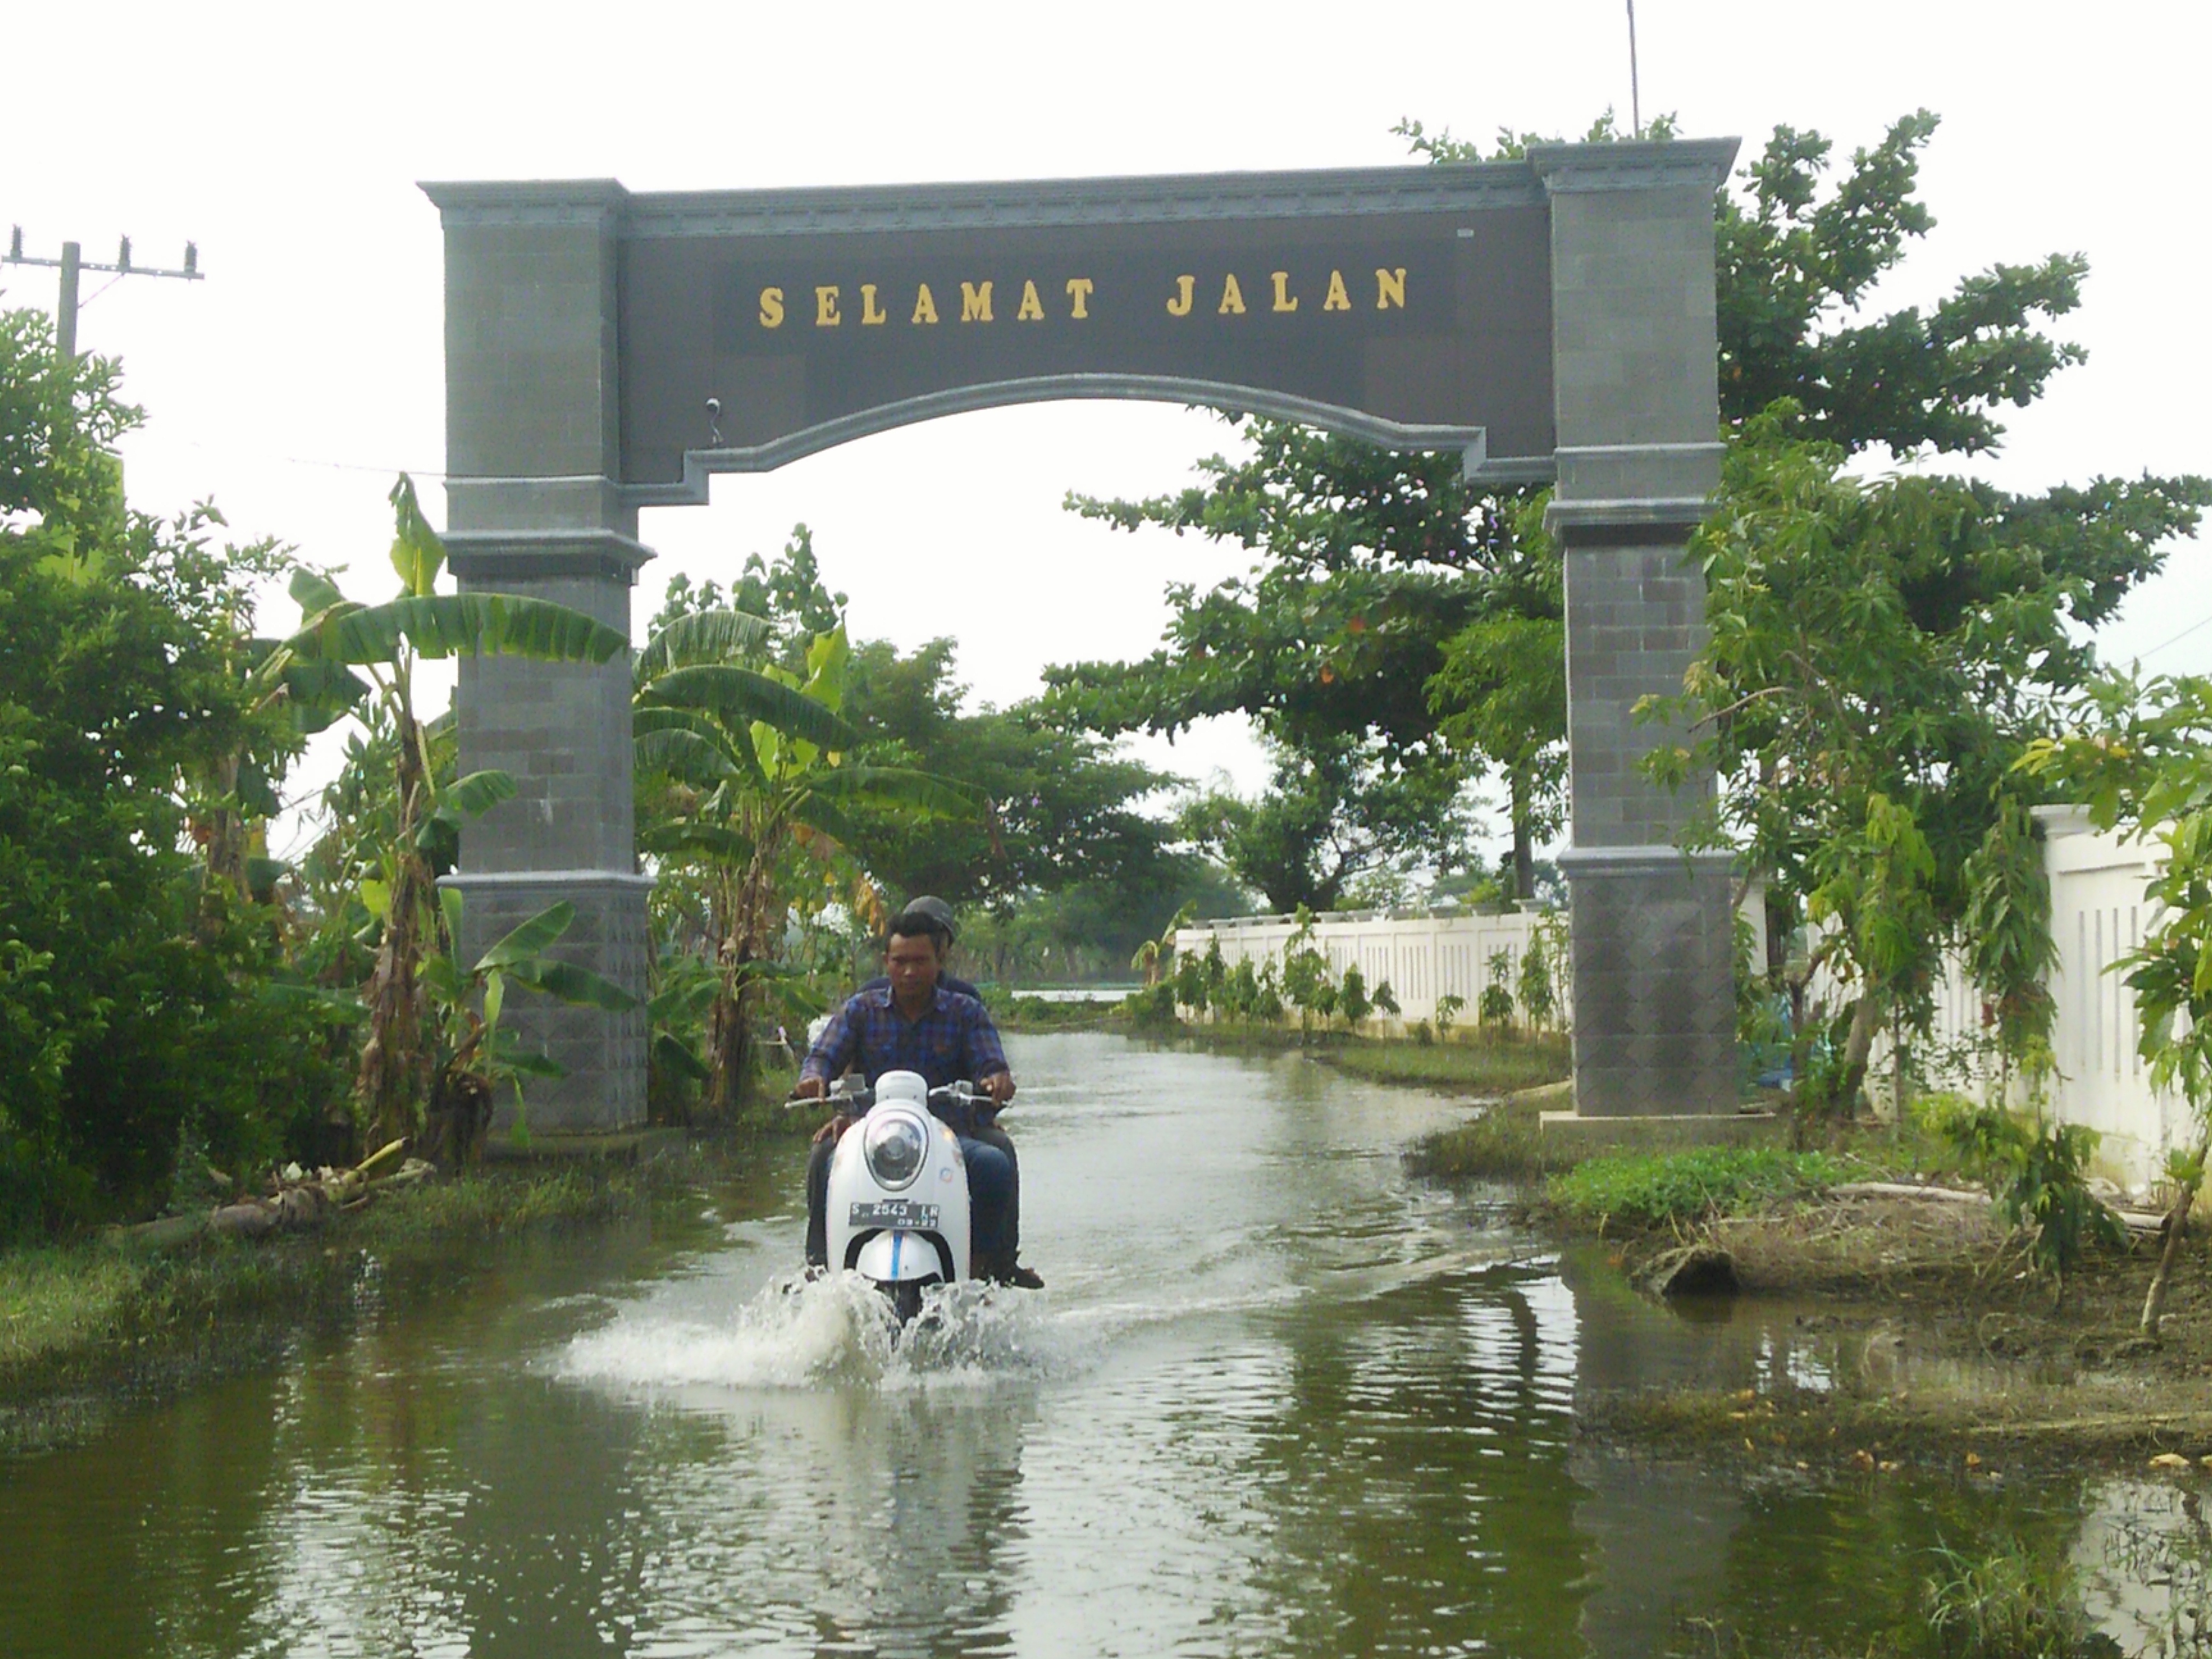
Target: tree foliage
[1399, 616]
[1882, 653]
[129, 1015]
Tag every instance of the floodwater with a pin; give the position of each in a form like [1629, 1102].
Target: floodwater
[1277, 1400]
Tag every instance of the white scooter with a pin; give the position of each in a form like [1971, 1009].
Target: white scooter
[898, 1209]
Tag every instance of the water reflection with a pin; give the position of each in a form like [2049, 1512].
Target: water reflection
[1280, 1400]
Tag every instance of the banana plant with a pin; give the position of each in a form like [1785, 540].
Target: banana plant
[316, 670]
[474, 1053]
[752, 766]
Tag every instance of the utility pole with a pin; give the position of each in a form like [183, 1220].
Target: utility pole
[1635, 92]
[73, 261]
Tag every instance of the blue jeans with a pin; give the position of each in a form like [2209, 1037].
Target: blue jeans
[990, 1186]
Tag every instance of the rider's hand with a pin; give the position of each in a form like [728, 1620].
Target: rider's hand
[834, 1130]
[809, 1088]
[999, 1086]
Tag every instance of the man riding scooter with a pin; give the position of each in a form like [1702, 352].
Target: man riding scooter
[912, 1023]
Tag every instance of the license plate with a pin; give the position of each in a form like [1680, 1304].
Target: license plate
[895, 1213]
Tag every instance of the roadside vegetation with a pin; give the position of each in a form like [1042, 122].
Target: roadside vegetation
[107, 1320]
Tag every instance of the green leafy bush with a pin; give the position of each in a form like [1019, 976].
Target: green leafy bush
[1153, 1008]
[2039, 1175]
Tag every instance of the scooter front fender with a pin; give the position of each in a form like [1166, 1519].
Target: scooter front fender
[896, 1255]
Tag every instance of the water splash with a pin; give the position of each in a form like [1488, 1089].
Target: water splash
[831, 1332]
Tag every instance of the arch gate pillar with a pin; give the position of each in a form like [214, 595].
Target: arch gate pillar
[534, 507]
[1548, 317]
[1635, 387]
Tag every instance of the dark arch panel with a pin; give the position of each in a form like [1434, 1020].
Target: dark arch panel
[1472, 442]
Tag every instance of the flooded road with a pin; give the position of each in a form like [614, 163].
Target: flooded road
[1277, 1400]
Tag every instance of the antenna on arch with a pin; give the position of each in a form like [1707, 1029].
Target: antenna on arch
[1635, 92]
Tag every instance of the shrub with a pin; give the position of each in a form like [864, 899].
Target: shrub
[1351, 1000]
[2038, 1174]
[1153, 1008]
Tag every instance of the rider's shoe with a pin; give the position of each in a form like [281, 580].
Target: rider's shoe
[1021, 1277]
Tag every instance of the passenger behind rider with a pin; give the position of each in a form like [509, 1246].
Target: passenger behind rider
[913, 1024]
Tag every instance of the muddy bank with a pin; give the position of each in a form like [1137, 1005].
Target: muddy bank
[1929, 1327]
[1917, 1325]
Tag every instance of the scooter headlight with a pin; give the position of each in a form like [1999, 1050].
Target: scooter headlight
[895, 1145]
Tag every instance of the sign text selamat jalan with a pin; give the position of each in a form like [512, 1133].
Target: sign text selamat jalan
[871, 305]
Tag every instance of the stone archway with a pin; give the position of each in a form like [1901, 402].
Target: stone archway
[1549, 317]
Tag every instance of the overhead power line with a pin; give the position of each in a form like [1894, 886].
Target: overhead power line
[2200, 623]
[72, 262]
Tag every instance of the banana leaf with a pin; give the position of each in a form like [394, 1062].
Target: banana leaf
[479, 793]
[738, 695]
[439, 625]
[687, 756]
[319, 694]
[712, 842]
[437, 837]
[316, 594]
[571, 983]
[734, 742]
[897, 787]
[707, 636]
[671, 1055]
[417, 553]
[529, 941]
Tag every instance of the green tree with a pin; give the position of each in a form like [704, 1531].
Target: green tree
[473, 1054]
[746, 782]
[1538, 995]
[1881, 652]
[1400, 611]
[1351, 999]
[1333, 825]
[1307, 982]
[130, 1008]
[1065, 811]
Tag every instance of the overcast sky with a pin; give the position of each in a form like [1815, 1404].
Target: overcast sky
[287, 140]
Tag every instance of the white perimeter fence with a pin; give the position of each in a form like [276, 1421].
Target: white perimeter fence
[1421, 955]
[2098, 914]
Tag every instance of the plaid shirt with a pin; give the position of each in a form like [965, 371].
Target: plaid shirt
[954, 1040]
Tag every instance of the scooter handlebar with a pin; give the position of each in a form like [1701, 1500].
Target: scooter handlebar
[855, 1101]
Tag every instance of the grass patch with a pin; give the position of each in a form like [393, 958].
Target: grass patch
[2007, 1602]
[1505, 1143]
[1662, 1190]
[1482, 1066]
